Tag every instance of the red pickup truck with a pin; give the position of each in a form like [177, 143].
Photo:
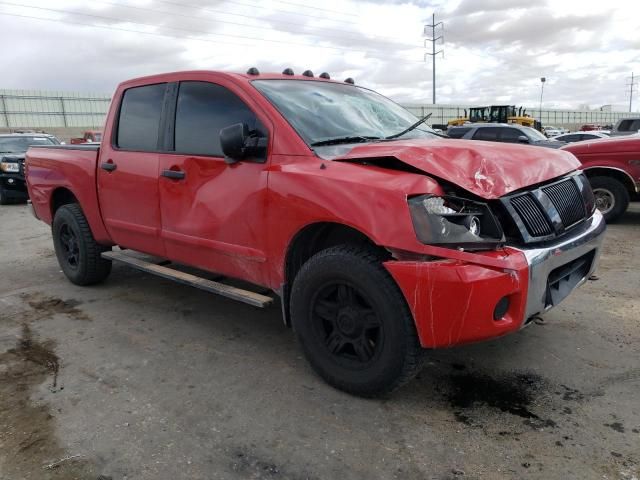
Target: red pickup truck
[380, 239]
[613, 168]
[87, 137]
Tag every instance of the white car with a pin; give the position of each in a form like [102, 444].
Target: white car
[552, 131]
[580, 136]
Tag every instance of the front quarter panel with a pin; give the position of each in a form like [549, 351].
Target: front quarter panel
[307, 190]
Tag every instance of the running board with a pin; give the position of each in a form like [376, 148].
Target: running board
[246, 296]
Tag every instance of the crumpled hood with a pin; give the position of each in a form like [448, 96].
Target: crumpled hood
[487, 169]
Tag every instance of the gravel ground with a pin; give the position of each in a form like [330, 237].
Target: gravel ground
[141, 378]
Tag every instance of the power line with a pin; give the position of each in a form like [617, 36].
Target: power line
[316, 8]
[103, 17]
[253, 17]
[166, 35]
[251, 5]
[258, 27]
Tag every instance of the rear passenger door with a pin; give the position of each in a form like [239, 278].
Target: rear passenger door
[489, 134]
[128, 170]
[213, 213]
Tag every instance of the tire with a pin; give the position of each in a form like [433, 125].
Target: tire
[353, 323]
[612, 198]
[3, 197]
[77, 251]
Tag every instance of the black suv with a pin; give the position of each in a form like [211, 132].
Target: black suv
[502, 132]
[13, 147]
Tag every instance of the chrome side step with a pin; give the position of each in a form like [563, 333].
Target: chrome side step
[245, 296]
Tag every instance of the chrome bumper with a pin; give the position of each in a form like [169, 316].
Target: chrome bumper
[543, 262]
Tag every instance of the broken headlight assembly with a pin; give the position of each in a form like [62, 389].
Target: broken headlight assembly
[454, 222]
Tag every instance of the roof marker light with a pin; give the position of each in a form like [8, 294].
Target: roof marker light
[288, 71]
[307, 73]
[350, 80]
[325, 75]
[253, 71]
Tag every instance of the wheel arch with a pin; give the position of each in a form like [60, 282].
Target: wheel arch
[61, 196]
[616, 173]
[311, 239]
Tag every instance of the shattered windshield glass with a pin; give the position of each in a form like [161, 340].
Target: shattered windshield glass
[323, 111]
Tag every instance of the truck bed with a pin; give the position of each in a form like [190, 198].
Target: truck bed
[58, 171]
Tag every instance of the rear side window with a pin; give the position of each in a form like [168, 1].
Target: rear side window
[510, 135]
[489, 133]
[139, 121]
[204, 109]
[457, 132]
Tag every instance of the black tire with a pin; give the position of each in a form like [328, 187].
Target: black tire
[612, 197]
[364, 340]
[77, 251]
[3, 197]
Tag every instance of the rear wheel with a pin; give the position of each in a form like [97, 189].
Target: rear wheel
[79, 255]
[612, 198]
[353, 323]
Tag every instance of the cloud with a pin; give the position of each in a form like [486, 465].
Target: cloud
[493, 49]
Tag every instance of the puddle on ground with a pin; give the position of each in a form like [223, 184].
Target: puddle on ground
[28, 444]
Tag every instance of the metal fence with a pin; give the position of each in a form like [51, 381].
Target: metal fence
[46, 109]
[441, 114]
[39, 109]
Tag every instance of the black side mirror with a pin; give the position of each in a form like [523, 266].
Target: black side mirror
[523, 139]
[238, 143]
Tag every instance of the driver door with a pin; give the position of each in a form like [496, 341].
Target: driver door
[213, 213]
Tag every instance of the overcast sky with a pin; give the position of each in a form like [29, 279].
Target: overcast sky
[494, 50]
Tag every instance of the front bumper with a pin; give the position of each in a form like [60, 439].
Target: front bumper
[454, 302]
[14, 185]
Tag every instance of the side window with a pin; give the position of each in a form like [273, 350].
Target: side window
[203, 110]
[572, 138]
[457, 132]
[139, 120]
[488, 133]
[510, 135]
[625, 126]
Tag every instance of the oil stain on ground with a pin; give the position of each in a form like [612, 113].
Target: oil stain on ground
[512, 393]
[46, 306]
[28, 443]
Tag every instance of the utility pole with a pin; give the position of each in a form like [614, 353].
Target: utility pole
[631, 85]
[542, 80]
[433, 53]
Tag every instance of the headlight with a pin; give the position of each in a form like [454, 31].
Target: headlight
[12, 167]
[454, 222]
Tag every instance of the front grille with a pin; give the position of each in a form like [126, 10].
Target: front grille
[532, 215]
[549, 211]
[567, 199]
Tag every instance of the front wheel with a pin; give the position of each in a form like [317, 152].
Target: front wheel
[79, 255]
[353, 322]
[612, 198]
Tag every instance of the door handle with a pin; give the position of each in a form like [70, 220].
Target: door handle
[108, 166]
[173, 174]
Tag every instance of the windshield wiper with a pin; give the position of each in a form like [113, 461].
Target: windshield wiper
[408, 129]
[339, 140]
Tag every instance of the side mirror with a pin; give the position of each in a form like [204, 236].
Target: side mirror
[523, 139]
[238, 143]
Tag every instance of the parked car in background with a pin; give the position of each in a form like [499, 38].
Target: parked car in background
[88, 137]
[626, 126]
[503, 132]
[13, 147]
[580, 136]
[552, 131]
[588, 127]
[380, 238]
[613, 168]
